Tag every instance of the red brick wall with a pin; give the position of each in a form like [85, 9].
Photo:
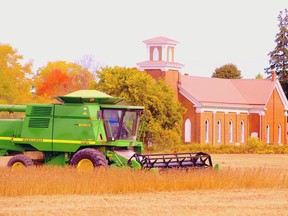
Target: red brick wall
[274, 116]
[254, 124]
[191, 114]
[198, 121]
[171, 78]
[156, 73]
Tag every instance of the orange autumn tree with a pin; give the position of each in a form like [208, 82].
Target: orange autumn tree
[55, 81]
[60, 78]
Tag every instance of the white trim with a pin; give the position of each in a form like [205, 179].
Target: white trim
[227, 110]
[199, 110]
[169, 43]
[189, 97]
[223, 109]
[260, 112]
[159, 67]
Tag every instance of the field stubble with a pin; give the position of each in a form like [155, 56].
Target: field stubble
[245, 185]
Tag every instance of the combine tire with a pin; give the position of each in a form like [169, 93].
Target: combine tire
[88, 159]
[20, 161]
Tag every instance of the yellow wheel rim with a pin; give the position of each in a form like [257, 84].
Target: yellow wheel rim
[85, 164]
[17, 165]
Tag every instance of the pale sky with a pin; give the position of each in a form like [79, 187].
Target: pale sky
[211, 33]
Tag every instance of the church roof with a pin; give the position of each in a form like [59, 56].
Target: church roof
[245, 93]
[161, 40]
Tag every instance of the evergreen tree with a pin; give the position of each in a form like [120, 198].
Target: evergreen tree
[279, 56]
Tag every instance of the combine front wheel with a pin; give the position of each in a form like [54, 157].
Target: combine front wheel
[88, 159]
[20, 161]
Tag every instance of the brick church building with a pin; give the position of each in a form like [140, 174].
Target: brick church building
[220, 111]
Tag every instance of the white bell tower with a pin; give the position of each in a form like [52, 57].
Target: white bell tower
[161, 52]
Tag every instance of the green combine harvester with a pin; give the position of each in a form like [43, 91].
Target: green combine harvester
[86, 130]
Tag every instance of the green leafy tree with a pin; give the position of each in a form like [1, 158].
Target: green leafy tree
[228, 71]
[279, 56]
[259, 76]
[15, 77]
[163, 114]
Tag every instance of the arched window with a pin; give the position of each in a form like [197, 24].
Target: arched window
[170, 55]
[219, 131]
[242, 131]
[268, 134]
[279, 134]
[155, 54]
[230, 131]
[207, 131]
[187, 130]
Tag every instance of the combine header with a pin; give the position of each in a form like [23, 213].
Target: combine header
[183, 160]
[86, 130]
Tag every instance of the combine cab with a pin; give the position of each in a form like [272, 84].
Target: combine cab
[86, 130]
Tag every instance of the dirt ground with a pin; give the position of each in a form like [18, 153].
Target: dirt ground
[213, 202]
[220, 202]
[275, 161]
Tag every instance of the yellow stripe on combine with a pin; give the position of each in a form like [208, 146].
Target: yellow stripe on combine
[5, 138]
[48, 140]
[74, 141]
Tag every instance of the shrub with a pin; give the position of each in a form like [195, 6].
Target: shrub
[254, 146]
[165, 141]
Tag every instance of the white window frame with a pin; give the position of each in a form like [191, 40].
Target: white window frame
[242, 131]
[219, 131]
[268, 134]
[230, 131]
[188, 130]
[279, 134]
[206, 131]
